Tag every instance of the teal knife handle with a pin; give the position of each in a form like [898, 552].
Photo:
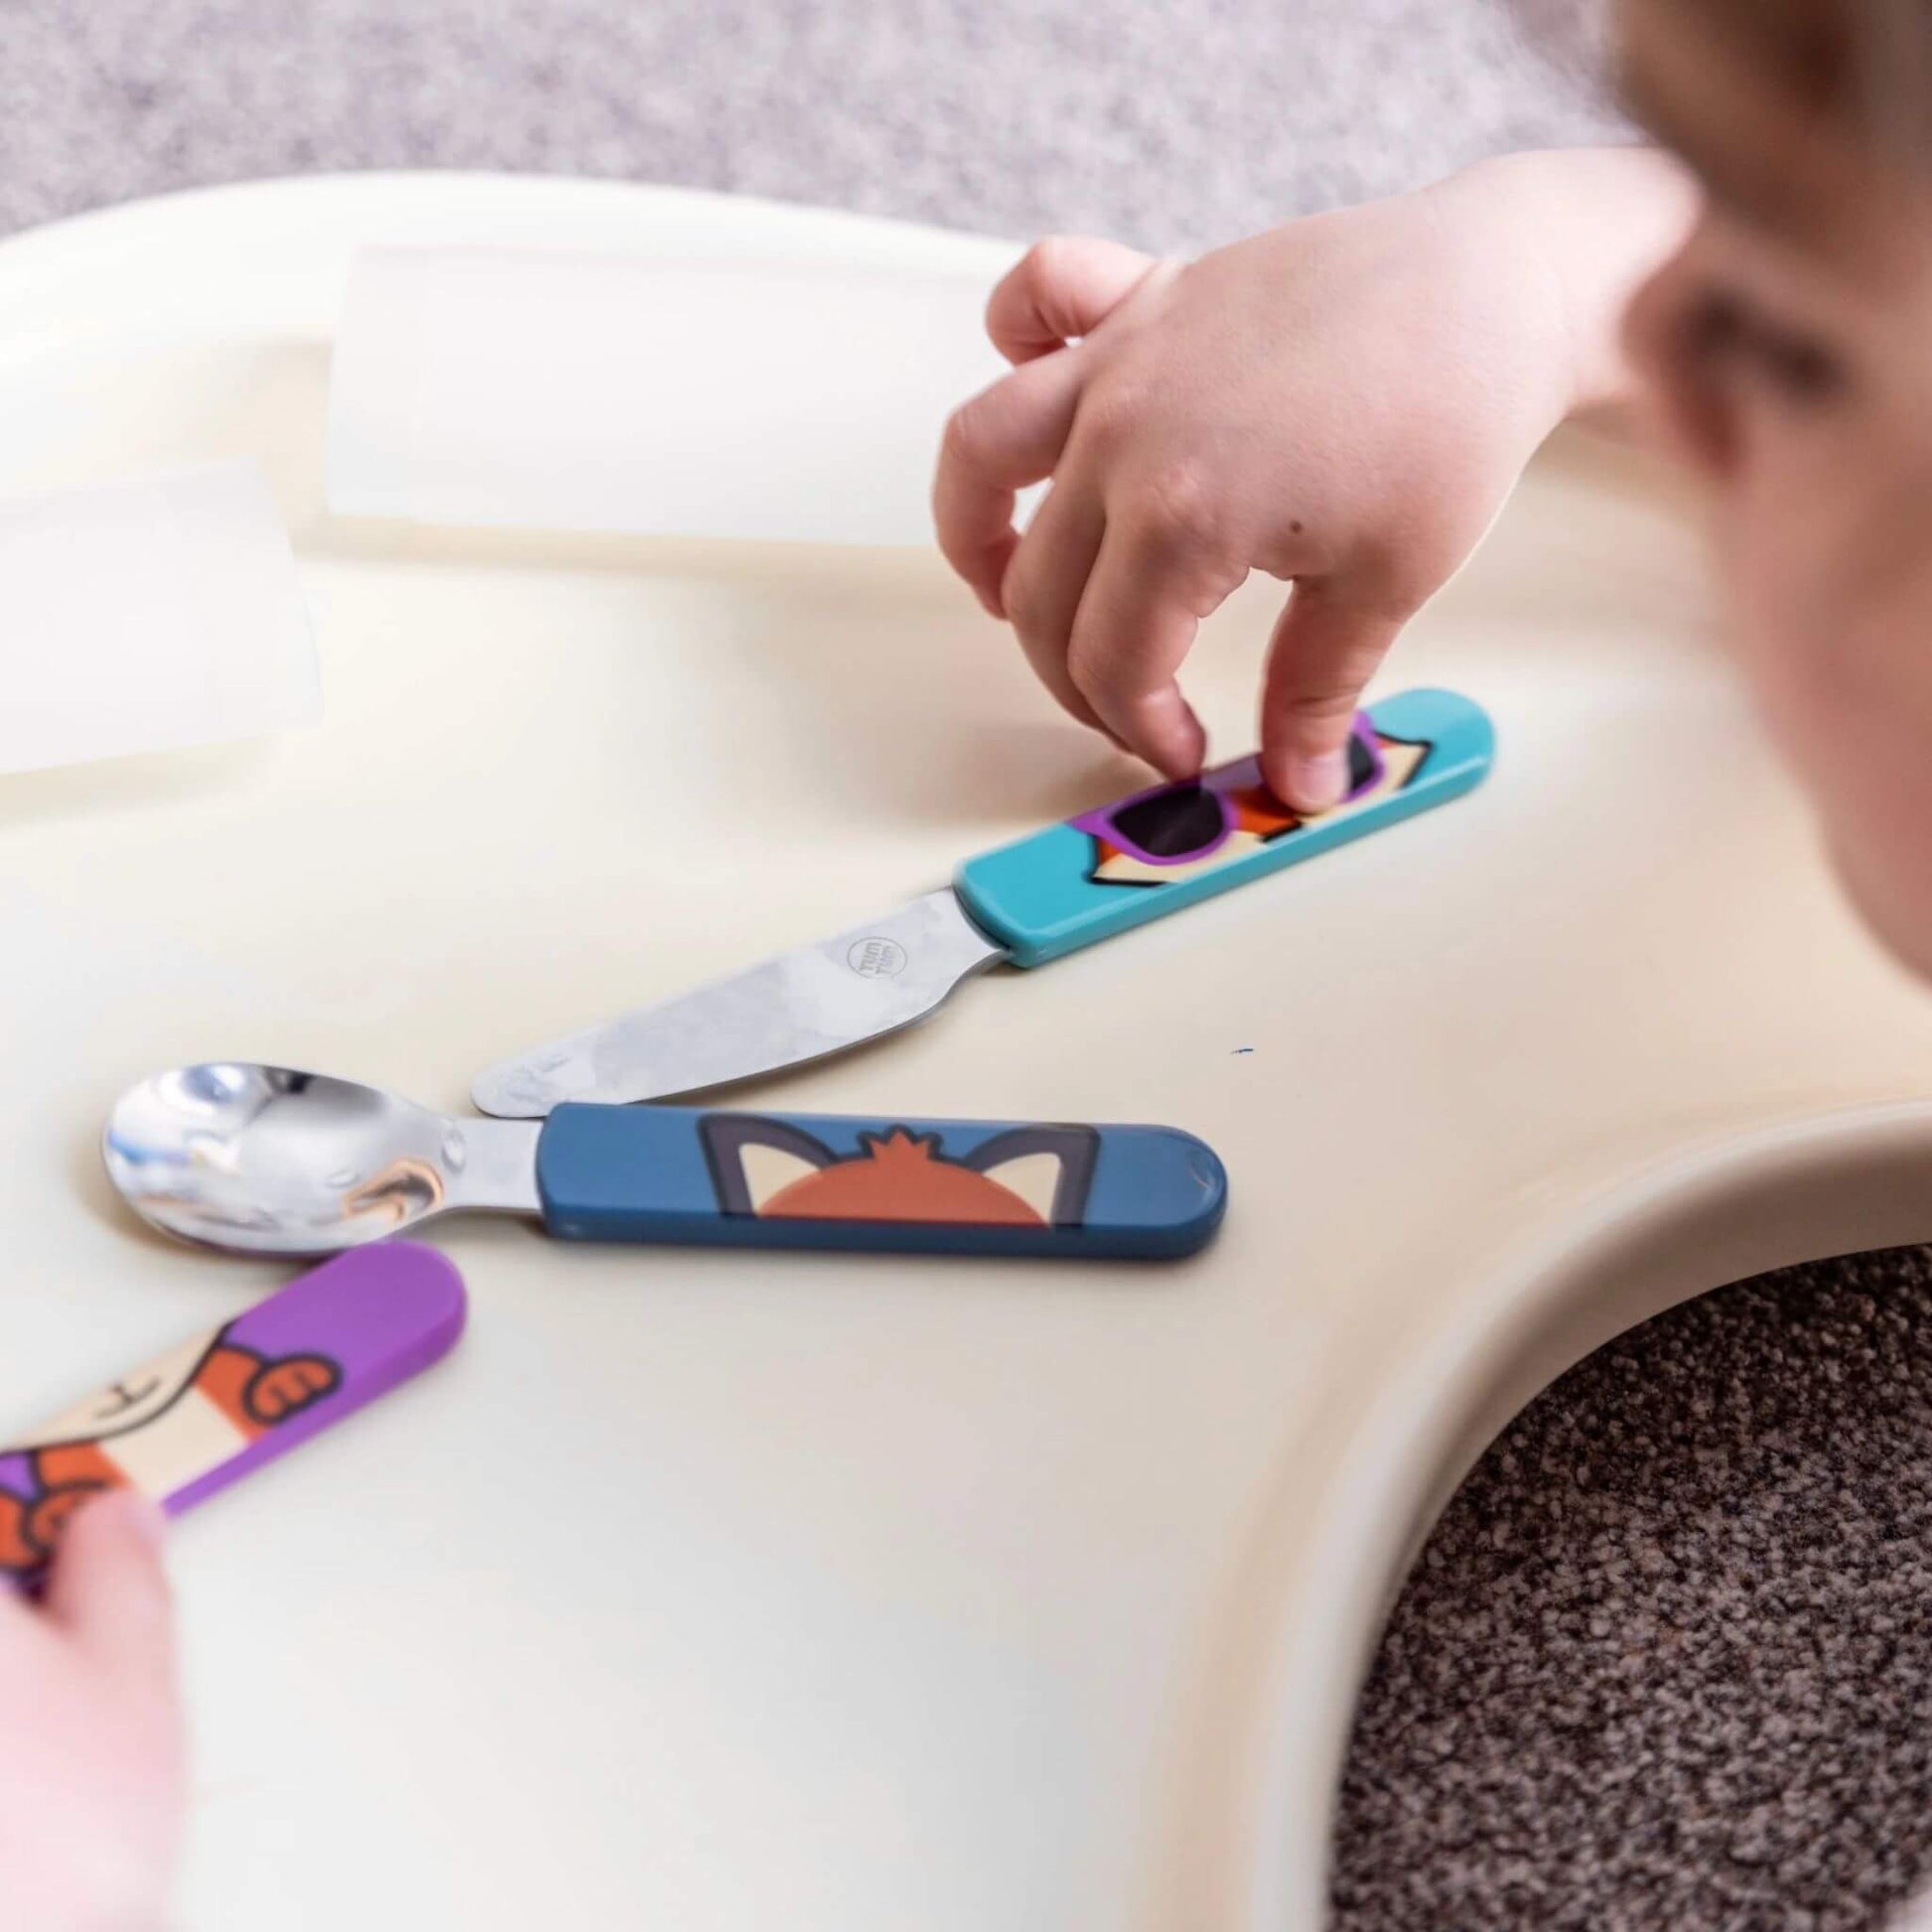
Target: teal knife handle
[1158, 850]
[703, 1177]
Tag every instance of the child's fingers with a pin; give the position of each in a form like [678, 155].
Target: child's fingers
[1326, 649]
[1046, 580]
[108, 1592]
[1135, 627]
[1063, 288]
[1006, 438]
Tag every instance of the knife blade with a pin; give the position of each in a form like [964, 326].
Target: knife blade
[1028, 903]
[796, 1007]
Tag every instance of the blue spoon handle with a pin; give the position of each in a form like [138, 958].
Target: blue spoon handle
[701, 1177]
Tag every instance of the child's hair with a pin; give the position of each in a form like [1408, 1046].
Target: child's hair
[1851, 69]
[1799, 98]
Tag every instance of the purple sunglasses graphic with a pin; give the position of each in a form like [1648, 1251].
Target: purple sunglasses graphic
[1179, 825]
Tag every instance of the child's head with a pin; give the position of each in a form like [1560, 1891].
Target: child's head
[1790, 343]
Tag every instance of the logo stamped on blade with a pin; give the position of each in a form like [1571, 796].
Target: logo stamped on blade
[876, 958]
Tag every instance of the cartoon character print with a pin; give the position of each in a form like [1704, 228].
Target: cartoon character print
[1183, 831]
[1030, 1177]
[183, 1415]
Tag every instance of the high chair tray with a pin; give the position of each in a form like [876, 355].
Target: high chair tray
[718, 1589]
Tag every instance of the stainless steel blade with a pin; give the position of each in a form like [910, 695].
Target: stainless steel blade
[799, 1006]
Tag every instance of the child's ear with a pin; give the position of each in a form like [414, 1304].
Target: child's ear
[754, 1160]
[1051, 1169]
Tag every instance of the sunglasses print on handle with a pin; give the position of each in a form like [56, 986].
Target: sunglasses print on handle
[1181, 825]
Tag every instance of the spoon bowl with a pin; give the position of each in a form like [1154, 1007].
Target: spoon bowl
[271, 1161]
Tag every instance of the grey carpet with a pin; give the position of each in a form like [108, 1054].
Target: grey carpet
[1664, 1661]
[1171, 125]
[1667, 1660]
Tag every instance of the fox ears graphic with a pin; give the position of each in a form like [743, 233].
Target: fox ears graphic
[1032, 1176]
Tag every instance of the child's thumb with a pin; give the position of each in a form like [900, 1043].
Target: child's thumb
[109, 1591]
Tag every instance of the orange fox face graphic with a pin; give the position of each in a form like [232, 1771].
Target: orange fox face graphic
[1033, 1177]
[155, 1429]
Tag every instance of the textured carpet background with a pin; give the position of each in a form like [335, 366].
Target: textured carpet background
[1666, 1660]
[1171, 125]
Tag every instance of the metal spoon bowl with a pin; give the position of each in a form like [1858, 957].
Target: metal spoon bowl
[271, 1161]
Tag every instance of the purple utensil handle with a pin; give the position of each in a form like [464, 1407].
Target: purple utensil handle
[224, 1402]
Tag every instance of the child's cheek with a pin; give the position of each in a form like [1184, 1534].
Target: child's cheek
[1882, 773]
[1850, 709]
[1830, 620]
[1886, 879]
[1781, 620]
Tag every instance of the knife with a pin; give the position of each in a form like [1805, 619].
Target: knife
[1024, 904]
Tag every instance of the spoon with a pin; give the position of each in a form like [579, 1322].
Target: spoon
[266, 1160]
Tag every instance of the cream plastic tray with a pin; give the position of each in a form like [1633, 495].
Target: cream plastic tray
[718, 1590]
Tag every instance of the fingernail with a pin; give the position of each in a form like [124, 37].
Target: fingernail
[1317, 781]
[1179, 746]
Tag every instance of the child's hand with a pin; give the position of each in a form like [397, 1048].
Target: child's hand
[90, 1757]
[1344, 403]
